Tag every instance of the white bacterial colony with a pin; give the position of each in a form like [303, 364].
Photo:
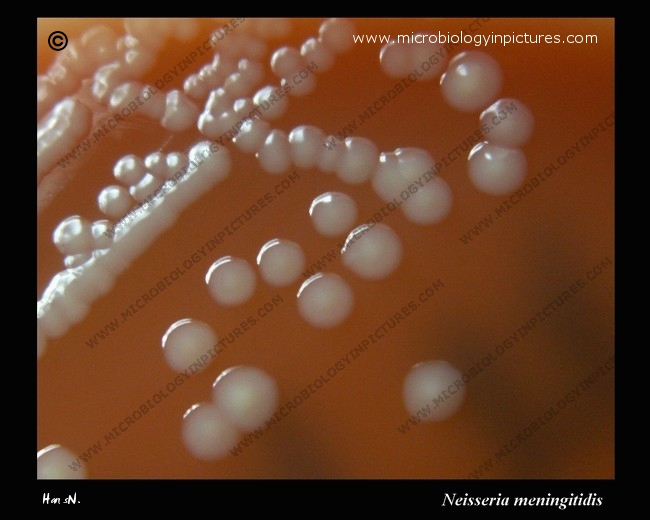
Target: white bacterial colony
[230, 105]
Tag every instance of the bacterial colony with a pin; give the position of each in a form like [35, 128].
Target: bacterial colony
[230, 108]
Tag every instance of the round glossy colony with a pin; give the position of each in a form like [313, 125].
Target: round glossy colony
[280, 262]
[336, 34]
[413, 163]
[510, 121]
[102, 241]
[426, 381]
[372, 252]
[325, 300]
[275, 109]
[429, 196]
[275, 154]
[287, 61]
[314, 50]
[156, 164]
[333, 213]
[114, 201]
[231, 281]
[186, 341]
[406, 177]
[397, 172]
[329, 162]
[395, 60]
[247, 396]
[358, 160]
[430, 204]
[129, 170]
[496, 170]
[252, 136]
[206, 432]
[175, 161]
[73, 235]
[306, 144]
[472, 81]
[53, 463]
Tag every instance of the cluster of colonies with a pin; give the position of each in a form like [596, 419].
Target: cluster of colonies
[242, 399]
[96, 253]
[473, 82]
